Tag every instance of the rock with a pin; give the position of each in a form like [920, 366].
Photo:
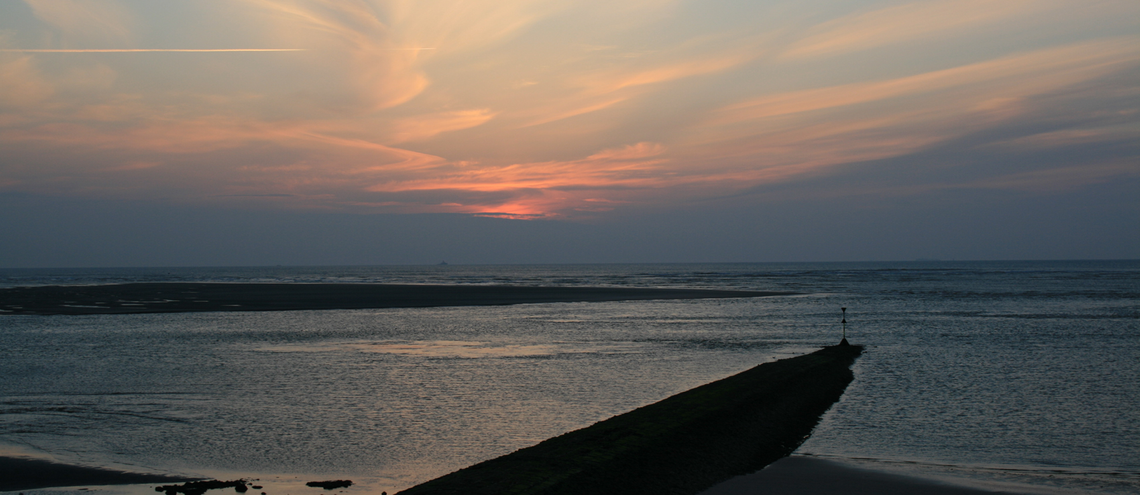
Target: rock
[330, 485]
[200, 487]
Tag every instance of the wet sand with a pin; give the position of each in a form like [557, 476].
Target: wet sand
[809, 476]
[18, 473]
[172, 297]
[789, 476]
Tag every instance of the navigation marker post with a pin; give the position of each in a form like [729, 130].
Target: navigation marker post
[844, 341]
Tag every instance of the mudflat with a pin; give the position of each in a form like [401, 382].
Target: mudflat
[176, 297]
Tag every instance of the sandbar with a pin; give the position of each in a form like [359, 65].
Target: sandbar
[178, 297]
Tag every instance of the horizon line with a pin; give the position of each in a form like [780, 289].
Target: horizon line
[279, 265]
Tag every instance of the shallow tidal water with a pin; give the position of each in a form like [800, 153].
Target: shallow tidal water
[1022, 375]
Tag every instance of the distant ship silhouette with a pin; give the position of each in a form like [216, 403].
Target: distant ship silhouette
[441, 263]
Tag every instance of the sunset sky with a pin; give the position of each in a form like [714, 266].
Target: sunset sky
[249, 132]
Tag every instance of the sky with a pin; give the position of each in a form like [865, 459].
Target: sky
[310, 132]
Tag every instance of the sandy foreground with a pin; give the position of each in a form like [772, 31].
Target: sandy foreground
[794, 475]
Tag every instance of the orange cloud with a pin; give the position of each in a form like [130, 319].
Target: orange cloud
[631, 165]
[422, 127]
[556, 114]
[674, 71]
[546, 188]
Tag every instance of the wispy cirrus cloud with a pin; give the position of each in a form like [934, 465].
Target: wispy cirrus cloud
[355, 44]
[1012, 76]
[786, 135]
[536, 109]
[598, 89]
[105, 21]
[420, 127]
[544, 189]
[905, 22]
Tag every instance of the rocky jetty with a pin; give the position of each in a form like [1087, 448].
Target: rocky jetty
[681, 445]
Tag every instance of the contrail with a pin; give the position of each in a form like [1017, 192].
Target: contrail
[136, 50]
[184, 50]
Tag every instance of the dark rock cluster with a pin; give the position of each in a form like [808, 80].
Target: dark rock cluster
[330, 485]
[200, 487]
[240, 486]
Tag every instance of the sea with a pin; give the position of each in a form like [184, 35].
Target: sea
[1022, 376]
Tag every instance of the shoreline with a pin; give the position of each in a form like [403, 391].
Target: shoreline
[792, 475]
[23, 473]
[189, 297]
[802, 475]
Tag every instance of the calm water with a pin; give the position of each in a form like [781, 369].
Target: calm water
[1023, 373]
